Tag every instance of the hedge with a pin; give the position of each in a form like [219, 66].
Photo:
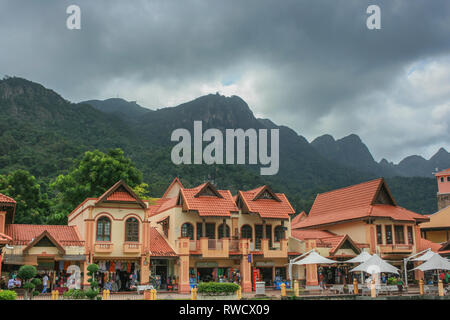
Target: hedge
[8, 295]
[217, 288]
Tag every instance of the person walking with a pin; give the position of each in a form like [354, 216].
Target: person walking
[44, 283]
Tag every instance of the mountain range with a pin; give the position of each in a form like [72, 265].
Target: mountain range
[43, 133]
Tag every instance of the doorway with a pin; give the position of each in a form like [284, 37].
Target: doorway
[205, 274]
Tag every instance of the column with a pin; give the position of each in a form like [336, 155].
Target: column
[245, 268]
[183, 286]
[203, 228]
[264, 230]
[1, 258]
[145, 270]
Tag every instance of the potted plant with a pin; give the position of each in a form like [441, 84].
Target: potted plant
[93, 291]
[217, 291]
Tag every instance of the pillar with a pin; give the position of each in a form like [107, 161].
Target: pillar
[183, 285]
[246, 275]
[145, 270]
[264, 230]
[204, 228]
[1, 258]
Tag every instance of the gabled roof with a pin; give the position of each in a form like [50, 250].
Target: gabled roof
[162, 205]
[6, 199]
[358, 202]
[159, 246]
[271, 205]
[45, 234]
[439, 219]
[445, 172]
[176, 183]
[311, 234]
[22, 234]
[326, 238]
[425, 244]
[302, 215]
[120, 192]
[208, 201]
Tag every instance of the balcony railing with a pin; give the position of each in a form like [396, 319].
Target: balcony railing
[395, 248]
[194, 245]
[130, 247]
[106, 247]
[234, 245]
[278, 251]
[214, 244]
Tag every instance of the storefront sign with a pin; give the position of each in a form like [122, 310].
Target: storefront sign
[206, 264]
[264, 263]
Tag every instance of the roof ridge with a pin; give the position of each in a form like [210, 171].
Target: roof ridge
[351, 186]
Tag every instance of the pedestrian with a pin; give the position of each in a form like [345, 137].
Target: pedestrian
[44, 283]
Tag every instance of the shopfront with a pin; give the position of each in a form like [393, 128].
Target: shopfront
[118, 274]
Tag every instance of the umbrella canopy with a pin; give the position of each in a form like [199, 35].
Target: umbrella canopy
[436, 262]
[375, 265]
[426, 256]
[314, 258]
[362, 257]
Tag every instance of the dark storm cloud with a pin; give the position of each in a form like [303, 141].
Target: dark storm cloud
[312, 65]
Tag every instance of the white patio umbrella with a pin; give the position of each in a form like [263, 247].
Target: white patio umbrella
[375, 265]
[314, 258]
[426, 256]
[436, 262]
[362, 257]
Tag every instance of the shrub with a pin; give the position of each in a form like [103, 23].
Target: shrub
[217, 288]
[74, 294]
[392, 281]
[8, 295]
[91, 293]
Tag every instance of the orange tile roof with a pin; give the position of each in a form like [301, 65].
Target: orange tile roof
[302, 215]
[425, 244]
[6, 199]
[4, 238]
[311, 234]
[267, 208]
[207, 205]
[161, 205]
[352, 203]
[22, 234]
[159, 246]
[120, 196]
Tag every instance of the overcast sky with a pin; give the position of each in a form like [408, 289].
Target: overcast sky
[311, 65]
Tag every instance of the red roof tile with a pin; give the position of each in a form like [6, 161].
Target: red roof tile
[302, 215]
[22, 234]
[355, 202]
[162, 205]
[425, 244]
[4, 238]
[159, 246]
[220, 205]
[120, 196]
[6, 199]
[311, 234]
[120, 191]
[267, 208]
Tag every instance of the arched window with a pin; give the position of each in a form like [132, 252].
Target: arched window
[279, 233]
[246, 232]
[132, 230]
[187, 231]
[103, 229]
[227, 231]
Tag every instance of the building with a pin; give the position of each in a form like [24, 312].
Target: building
[438, 228]
[50, 248]
[365, 216]
[217, 236]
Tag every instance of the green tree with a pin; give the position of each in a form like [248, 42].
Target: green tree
[27, 274]
[32, 205]
[93, 291]
[91, 176]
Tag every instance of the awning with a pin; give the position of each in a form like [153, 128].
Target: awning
[436, 262]
[375, 265]
[426, 256]
[362, 257]
[314, 258]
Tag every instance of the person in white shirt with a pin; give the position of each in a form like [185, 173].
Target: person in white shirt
[44, 283]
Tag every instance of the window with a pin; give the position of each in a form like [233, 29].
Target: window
[448, 179]
[103, 229]
[410, 235]
[199, 230]
[246, 232]
[442, 179]
[279, 233]
[399, 234]
[132, 230]
[379, 235]
[187, 231]
[210, 230]
[227, 231]
[388, 232]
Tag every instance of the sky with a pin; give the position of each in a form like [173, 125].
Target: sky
[311, 65]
